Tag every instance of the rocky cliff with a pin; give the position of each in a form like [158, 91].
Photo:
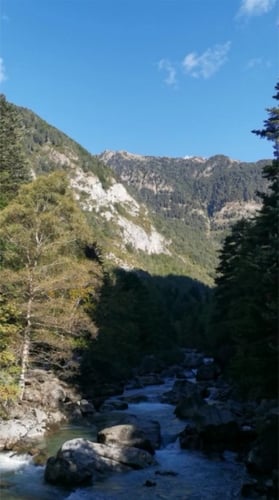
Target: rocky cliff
[164, 215]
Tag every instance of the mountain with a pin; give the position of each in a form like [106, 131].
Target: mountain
[193, 200]
[162, 215]
[122, 224]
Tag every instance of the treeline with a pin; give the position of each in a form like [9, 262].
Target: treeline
[64, 309]
[46, 279]
[244, 323]
[140, 315]
[185, 196]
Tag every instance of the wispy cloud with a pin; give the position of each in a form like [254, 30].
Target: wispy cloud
[258, 61]
[208, 63]
[166, 65]
[255, 7]
[3, 76]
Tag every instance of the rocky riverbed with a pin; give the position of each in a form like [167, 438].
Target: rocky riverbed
[195, 413]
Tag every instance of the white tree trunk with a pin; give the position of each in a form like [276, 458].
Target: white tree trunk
[24, 363]
[26, 345]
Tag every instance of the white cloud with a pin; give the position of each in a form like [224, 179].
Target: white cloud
[166, 65]
[258, 61]
[208, 63]
[2, 71]
[255, 7]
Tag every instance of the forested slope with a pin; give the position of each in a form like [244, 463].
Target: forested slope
[193, 200]
[93, 279]
[179, 208]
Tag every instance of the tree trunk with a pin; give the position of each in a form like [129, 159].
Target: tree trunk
[24, 363]
[26, 345]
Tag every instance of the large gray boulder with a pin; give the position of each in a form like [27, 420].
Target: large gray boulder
[30, 427]
[80, 461]
[126, 435]
[27, 425]
[151, 428]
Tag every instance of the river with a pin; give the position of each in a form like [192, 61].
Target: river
[178, 474]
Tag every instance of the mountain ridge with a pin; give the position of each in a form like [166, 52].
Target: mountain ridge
[160, 214]
[191, 194]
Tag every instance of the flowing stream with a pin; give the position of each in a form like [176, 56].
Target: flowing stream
[178, 474]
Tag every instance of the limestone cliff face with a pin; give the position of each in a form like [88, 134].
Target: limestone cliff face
[215, 191]
[159, 214]
[97, 188]
[105, 202]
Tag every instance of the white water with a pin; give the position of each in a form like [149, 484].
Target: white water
[185, 475]
[9, 461]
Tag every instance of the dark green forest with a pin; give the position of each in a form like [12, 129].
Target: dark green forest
[245, 302]
[64, 309]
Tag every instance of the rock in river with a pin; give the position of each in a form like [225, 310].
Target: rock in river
[80, 461]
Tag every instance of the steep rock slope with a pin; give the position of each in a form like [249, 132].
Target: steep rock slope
[216, 189]
[120, 220]
[163, 215]
[194, 200]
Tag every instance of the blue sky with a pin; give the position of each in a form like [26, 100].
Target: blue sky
[153, 77]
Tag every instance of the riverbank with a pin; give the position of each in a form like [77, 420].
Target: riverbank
[199, 421]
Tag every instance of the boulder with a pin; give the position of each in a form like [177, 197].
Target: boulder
[192, 359]
[208, 372]
[126, 435]
[189, 438]
[86, 408]
[10, 433]
[13, 431]
[212, 429]
[263, 456]
[46, 390]
[151, 428]
[260, 488]
[181, 389]
[79, 461]
[220, 392]
[190, 407]
[100, 391]
[113, 405]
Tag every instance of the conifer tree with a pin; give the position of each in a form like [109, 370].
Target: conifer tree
[13, 165]
[246, 295]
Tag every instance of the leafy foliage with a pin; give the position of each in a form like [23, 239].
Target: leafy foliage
[9, 336]
[62, 299]
[44, 269]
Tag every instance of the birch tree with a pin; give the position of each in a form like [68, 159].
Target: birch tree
[43, 234]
